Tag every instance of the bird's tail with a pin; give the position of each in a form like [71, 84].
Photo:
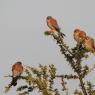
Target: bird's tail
[61, 34]
[14, 81]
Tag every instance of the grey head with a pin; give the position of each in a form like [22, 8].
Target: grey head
[76, 30]
[49, 17]
[19, 62]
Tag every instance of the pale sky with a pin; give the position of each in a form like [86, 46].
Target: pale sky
[22, 26]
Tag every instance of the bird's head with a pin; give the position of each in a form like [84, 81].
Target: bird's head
[49, 17]
[19, 62]
[76, 30]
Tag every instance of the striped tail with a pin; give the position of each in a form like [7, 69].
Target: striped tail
[14, 81]
[61, 34]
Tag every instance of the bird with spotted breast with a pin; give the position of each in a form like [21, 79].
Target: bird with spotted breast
[53, 25]
[89, 44]
[17, 70]
[79, 36]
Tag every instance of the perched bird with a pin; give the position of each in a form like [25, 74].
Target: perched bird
[53, 25]
[17, 70]
[79, 36]
[89, 44]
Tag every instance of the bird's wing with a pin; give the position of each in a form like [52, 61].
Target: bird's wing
[54, 24]
[13, 67]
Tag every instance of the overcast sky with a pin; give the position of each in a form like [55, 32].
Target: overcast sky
[22, 26]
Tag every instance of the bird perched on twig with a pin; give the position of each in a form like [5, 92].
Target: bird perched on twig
[89, 44]
[79, 36]
[53, 25]
[17, 70]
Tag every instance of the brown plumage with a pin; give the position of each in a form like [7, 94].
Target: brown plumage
[53, 25]
[79, 36]
[89, 44]
[17, 70]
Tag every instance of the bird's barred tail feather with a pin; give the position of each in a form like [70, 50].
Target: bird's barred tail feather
[14, 81]
[62, 34]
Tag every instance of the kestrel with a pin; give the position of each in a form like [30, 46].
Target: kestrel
[89, 44]
[17, 70]
[53, 25]
[79, 36]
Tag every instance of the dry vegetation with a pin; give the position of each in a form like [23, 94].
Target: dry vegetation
[43, 77]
